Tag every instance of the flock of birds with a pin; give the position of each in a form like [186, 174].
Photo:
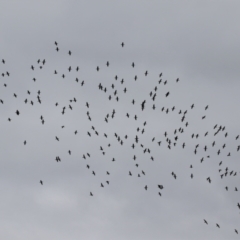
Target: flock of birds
[167, 139]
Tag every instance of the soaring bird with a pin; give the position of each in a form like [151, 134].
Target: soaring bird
[143, 104]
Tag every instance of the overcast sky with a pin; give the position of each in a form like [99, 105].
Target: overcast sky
[195, 41]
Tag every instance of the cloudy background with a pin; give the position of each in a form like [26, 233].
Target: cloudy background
[195, 41]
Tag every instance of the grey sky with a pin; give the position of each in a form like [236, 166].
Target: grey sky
[195, 41]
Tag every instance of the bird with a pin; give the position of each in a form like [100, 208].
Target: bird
[41, 182]
[209, 179]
